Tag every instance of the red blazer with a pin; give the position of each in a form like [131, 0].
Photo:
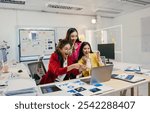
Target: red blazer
[55, 69]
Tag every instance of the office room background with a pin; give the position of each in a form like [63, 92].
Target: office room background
[135, 30]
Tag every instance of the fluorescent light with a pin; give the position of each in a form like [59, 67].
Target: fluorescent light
[141, 2]
[63, 6]
[108, 10]
[21, 2]
[93, 21]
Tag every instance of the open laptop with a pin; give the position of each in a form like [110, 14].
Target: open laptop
[100, 74]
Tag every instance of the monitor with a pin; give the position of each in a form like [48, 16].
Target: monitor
[107, 50]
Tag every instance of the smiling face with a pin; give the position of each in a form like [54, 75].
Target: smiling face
[74, 36]
[65, 51]
[86, 50]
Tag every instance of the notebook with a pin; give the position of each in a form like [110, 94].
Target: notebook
[99, 74]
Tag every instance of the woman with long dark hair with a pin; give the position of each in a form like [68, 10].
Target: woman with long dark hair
[61, 66]
[89, 58]
[73, 38]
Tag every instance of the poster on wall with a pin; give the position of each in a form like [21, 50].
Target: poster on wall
[34, 43]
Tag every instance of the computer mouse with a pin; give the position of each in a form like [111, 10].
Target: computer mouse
[19, 71]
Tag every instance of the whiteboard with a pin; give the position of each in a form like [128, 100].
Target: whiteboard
[36, 42]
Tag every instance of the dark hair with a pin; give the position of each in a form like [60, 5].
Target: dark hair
[81, 49]
[61, 44]
[71, 30]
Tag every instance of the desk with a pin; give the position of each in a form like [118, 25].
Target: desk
[117, 85]
[122, 66]
[20, 66]
[120, 85]
[13, 72]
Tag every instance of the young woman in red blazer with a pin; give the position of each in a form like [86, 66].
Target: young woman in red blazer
[61, 66]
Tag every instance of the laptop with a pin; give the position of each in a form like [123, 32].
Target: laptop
[99, 74]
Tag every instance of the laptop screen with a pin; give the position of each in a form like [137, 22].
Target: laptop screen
[103, 73]
[99, 74]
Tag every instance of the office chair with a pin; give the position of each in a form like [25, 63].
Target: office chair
[37, 70]
[103, 59]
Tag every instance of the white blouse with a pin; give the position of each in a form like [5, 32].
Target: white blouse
[60, 78]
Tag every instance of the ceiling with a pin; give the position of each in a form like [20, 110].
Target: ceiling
[105, 8]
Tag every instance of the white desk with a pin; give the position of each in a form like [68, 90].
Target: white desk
[117, 85]
[122, 86]
[13, 72]
[72, 87]
[143, 87]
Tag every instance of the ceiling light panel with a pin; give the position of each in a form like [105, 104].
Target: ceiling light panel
[140, 2]
[21, 2]
[63, 6]
[109, 10]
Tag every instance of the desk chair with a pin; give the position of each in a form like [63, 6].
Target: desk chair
[103, 59]
[37, 70]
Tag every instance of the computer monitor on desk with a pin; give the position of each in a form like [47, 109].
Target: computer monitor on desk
[107, 50]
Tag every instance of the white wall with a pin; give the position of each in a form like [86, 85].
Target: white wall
[132, 36]
[7, 29]
[92, 39]
[94, 36]
[10, 20]
[106, 22]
